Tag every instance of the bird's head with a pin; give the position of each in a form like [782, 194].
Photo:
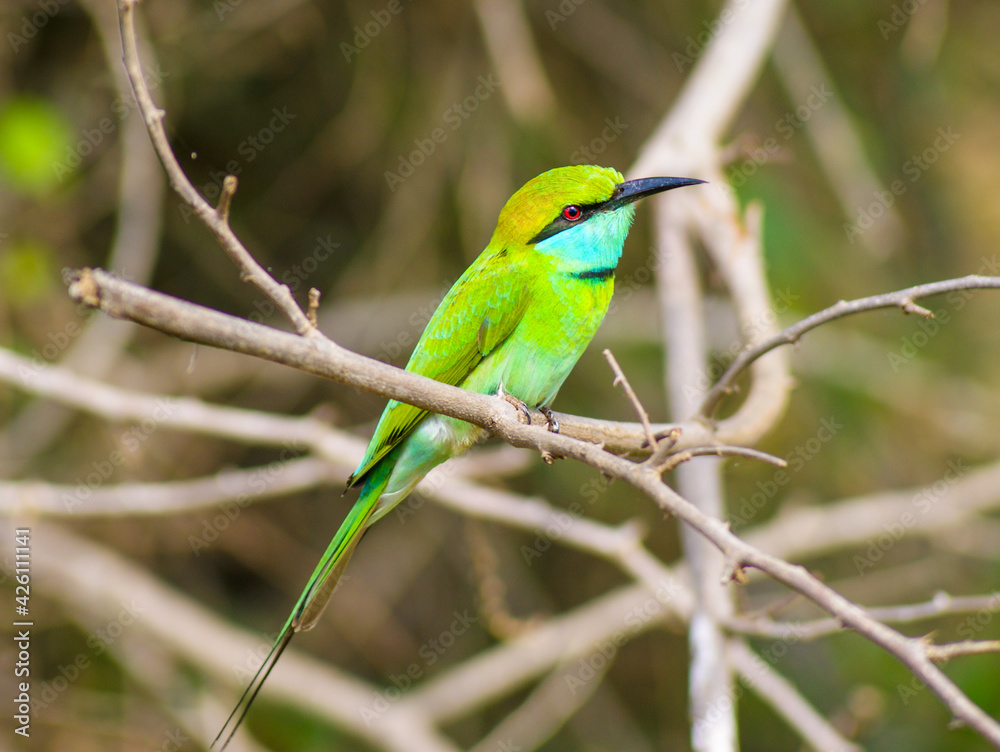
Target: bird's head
[575, 208]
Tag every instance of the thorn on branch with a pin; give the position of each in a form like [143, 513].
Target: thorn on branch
[311, 313]
[660, 464]
[734, 572]
[908, 306]
[672, 435]
[226, 197]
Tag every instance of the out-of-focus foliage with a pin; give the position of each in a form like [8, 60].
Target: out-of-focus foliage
[33, 135]
[374, 149]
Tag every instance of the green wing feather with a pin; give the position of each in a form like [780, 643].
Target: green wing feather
[479, 312]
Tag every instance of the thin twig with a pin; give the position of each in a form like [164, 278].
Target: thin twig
[940, 605]
[718, 451]
[226, 197]
[313, 311]
[243, 487]
[817, 530]
[786, 701]
[622, 381]
[549, 705]
[944, 653]
[898, 299]
[216, 221]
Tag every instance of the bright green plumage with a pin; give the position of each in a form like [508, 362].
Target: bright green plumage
[518, 319]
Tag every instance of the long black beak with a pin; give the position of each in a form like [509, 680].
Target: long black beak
[633, 190]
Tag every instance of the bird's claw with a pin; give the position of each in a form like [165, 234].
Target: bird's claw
[519, 404]
[550, 419]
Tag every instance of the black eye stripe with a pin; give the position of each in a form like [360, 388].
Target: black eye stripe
[560, 223]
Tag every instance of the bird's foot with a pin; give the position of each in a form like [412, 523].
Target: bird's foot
[550, 418]
[519, 404]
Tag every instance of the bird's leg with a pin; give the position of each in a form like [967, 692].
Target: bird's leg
[519, 404]
[550, 418]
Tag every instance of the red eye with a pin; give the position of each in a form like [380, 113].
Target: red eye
[572, 212]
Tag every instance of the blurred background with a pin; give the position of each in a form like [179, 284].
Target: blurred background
[374, 145]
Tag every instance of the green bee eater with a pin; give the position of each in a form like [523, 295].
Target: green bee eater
[515, 322]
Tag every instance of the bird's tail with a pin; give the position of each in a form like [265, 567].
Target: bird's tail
[318, 591]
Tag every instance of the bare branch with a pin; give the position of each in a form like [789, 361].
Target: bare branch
[786, 701]
[832, 133]
[314, 354]
[711, 97]
[940, 605]
[174, 497]
[900, 299]
[716, 451]
[215, 220]
[543, 712]
[622, 381]
[91, 581]
[134, 249]
[324, 358]
[944, 653]
[813, 531]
